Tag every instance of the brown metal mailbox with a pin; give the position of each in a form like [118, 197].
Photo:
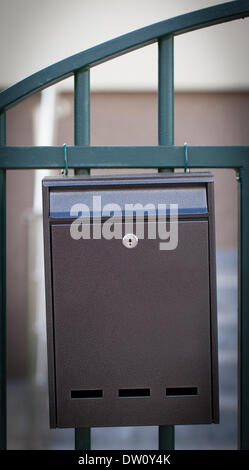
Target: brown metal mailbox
[132, 333]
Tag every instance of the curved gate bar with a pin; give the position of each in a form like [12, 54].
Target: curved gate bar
[122, 45]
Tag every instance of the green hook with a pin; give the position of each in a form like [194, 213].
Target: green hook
[186, 169]
[65, 159]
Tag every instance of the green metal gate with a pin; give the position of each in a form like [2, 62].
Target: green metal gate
[82, 157]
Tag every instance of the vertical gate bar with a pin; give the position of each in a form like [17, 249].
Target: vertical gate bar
[82, 439]
[166, 91]
[243, 421]
[82, 137]
[3, 399]
[166, 137]
[82, 107]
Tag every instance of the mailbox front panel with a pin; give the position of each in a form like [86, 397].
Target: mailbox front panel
[132, 330]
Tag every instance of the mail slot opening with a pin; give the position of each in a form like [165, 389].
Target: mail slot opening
[181, 391]
[133, 392]
[86, 393]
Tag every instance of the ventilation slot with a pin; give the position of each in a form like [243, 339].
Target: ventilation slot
[133, 392]
[86, 393]
[181, 391]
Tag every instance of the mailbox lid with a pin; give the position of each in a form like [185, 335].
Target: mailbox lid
[190, 200]
[66, 195]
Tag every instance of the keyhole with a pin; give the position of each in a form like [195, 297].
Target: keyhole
[130, 240]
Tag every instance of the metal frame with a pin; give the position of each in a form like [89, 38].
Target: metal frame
[82, 157]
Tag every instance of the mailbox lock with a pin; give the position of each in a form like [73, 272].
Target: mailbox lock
[130, 240]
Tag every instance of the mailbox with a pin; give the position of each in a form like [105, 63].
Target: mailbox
[131, 300]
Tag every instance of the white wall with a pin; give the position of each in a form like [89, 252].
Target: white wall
[35, 34]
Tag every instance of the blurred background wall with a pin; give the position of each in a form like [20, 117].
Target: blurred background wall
[211, 108]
